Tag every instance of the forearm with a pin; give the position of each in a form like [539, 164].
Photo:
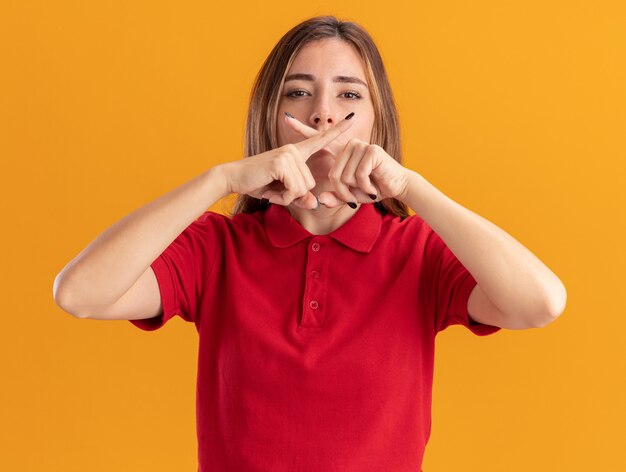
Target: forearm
[513, 278]
[114, 261]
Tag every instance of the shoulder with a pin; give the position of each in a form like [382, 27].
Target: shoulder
[210, 217]
[222, 224]
[404, 229]
[411, 235]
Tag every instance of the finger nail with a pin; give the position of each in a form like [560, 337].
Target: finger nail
[352, 205]
[350, 116]
[372, 196]
[289, 114]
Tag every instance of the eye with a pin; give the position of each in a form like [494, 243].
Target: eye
[357, 96]
[350, 95]
[293, 92]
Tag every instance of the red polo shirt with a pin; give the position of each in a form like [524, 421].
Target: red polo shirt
[315, 352]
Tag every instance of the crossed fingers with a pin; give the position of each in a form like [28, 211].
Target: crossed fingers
[334, 147]
[290, 170]
[350, 175]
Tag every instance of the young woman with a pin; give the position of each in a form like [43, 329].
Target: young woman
[318, 301]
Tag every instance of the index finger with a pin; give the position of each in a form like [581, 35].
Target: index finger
[315, 143]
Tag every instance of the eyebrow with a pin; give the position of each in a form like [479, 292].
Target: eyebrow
[339, 78]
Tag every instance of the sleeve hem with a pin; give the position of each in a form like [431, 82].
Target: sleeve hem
[480, 329]
[168, 297]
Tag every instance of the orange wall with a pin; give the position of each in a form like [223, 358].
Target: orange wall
[516, 110]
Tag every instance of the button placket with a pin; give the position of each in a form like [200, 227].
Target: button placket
[313, 309]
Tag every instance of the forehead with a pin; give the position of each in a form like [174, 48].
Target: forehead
[329, 56]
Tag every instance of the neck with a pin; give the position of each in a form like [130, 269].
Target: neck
[323, 220]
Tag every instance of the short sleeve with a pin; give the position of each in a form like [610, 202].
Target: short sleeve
[450, 285]
[181, 271]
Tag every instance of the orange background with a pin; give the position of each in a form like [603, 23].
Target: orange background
[516, 110]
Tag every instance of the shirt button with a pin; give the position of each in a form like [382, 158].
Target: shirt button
[315, 247]
[315, 274]
[314, 305]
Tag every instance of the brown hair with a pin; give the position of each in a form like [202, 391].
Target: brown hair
[260, 132]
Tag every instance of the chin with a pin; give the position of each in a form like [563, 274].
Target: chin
[320, 165]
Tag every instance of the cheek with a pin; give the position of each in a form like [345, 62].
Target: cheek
[364, 132]
[280, 134]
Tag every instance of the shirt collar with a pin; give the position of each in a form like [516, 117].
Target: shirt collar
[359, 232]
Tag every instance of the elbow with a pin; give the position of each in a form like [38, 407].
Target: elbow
[62, 297]
[542, 314]
[558, 301]
[554, 307]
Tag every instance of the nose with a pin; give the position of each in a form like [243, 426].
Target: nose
[323, 120]
[318, 120]
[322, 116]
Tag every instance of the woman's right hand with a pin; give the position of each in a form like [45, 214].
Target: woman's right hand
[281, 174]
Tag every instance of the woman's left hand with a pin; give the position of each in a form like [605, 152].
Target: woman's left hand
[360, 172]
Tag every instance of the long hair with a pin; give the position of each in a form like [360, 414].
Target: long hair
[260, 133]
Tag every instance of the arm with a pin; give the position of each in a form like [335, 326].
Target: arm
[112, 279]
[93, 282]
[515, 289]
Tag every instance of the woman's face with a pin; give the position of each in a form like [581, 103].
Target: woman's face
[325, 82]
